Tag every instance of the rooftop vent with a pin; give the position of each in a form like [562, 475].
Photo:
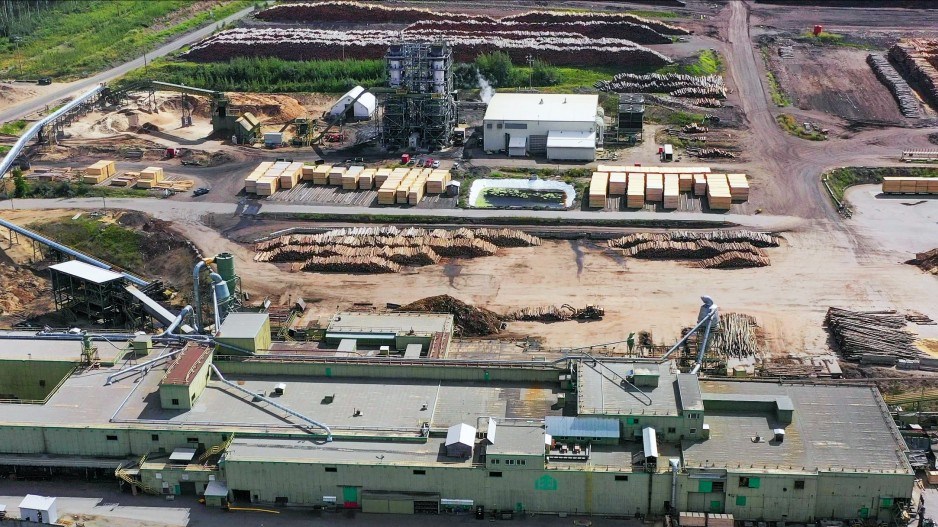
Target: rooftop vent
[779, 435]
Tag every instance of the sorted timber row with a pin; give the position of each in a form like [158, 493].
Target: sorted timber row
[908, 101]
[674, 84]
[736, 337]
[391, 236]
[758, 239]
[869, 335]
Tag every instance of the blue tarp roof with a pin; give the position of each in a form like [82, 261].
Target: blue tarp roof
[594, 427]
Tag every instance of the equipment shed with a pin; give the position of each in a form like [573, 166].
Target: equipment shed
[571, 145]
[357, 103]
[460, 440]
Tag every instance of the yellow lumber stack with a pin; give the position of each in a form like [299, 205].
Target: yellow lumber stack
[307, 173]
[350, 177]
[654, 187]
[910, 185]
[250, 182]
[700, 184]
[381, 175]
[635, 196]
[718, 192]
[617, 181]
[150, 177]
[267, 185]
[366, 179]
[335, 175]
[417, 189]
[672, 193]
[686, 182]
[403, 188]
[321, 174]
[291, 175]
[99, 171]
[599, 185]
[739, 186]
[387, 192]
[437, 181]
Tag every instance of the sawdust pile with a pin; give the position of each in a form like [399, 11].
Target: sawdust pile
[926, 261]
[21, 288]
[273, 108]
[470, 321]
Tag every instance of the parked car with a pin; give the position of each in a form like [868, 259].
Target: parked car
[436, 164]
[201, 191]
[428, 163]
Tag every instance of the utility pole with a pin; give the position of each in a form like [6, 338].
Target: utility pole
[530, 72]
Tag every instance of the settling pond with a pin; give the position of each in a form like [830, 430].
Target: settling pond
[521, 194]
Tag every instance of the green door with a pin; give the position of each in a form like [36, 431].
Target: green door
[350, 497]
[716, 506]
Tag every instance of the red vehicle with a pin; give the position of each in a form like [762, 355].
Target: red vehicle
[405, 158]
[428, 163]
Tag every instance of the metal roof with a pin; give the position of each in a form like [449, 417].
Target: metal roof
[186, 365]
[87, 272]
[688, 391]
[518, 141]
[367, 100]
[182, 455]
[589, 427]
[243, 325]
[833, 428]
[37, 503]
[571, 139]
[548, 107]
[389, 323]
[523, 439]
[649, 442]
[600, 392]
[461, 433]
[217, 489]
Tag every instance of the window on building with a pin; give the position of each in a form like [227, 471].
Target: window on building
[331, 469]
[799, 484]
[488, 126]
[885, 503]
[672, 430]
[154, 437]
[743, 481]
[719, 486]
[495, 461]
[693, 430]
[112, 438]
[175, 402]
[516, 126]
[192, 440]
[622, 477]
[511, 461]
[740, 501]
[499, 126]
[521, 462]
[749, 482]
[420, 472]
[495, 474]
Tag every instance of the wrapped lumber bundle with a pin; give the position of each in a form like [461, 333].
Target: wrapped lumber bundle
[910, 185]
[718, 192]
[635, 196]
[654, 187]
[307, 173]
[686, 182]
[735, 260]
[381, 175]
[462, 247]
[700, 184]
[321, 174]
[342, 264]
[387, 192]
[291, 175]
[871, 333]
[267, 185]
[335, 175]
[366, 179]
[617, 183]
[507, 237]
[739, 186]
[350, 177]
[250, 182]
[599, 185]
[671, 195]
[437, 181]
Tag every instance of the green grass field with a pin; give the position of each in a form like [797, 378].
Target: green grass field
[707, 62]
[108, 241]
[78, 38]
[13, 128]
[791, 125]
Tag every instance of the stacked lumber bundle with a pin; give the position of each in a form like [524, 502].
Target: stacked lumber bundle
[366, 179]
[381, 175]
[307, 173]
[700, 184]
[635, 197]
[150, 177]
[739, 186]
[686, 182]
[599, 186]
[335, 175]
[349, 178]
[127, 179]
[672, 195]
[266, 186]
[99, 171]
[871, 333]
[321, 174]
[179, 185]
[910, 185]
[735, 260]
[718, 192]
[345, 264]
[418, 187]
[654, 187]
[291, 175]
[757, 239]
[437, 181]
[250, 182]
[617, 183]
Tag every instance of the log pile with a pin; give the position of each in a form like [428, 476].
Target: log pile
[462, 247]
[735, 260]
[926, 261]
[908, 101]
[710, 153]
[758, 239]
[736, 336]
[876, 333]
[675, 84]
[689, 249]
[546, 17]
[540, 314]
[911, 56]
[594, 29]
[507, 237]
[715, 250]
[349, 264]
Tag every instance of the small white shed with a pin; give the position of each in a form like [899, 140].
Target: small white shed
[459, 440]
[364, 107]
[39, 509]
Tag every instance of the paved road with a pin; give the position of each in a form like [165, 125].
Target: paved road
[73, 87]
[186, 211]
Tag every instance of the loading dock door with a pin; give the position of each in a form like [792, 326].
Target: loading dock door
[350, 498]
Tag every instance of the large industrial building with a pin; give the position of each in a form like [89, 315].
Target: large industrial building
[401, 434]
[558, 126]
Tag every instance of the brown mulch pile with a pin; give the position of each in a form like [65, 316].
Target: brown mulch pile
[470, 321]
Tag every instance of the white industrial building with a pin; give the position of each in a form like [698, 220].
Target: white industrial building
[560, 126]
[364, 106]
[38, 509]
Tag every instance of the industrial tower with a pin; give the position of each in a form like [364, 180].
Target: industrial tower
[420, 109]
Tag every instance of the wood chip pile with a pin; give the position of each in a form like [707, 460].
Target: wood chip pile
[469, 321]
[341, 250]
[871, 333]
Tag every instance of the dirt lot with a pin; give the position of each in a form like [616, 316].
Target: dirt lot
[834, 80]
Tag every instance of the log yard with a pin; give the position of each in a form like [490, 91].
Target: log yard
[334, 262]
